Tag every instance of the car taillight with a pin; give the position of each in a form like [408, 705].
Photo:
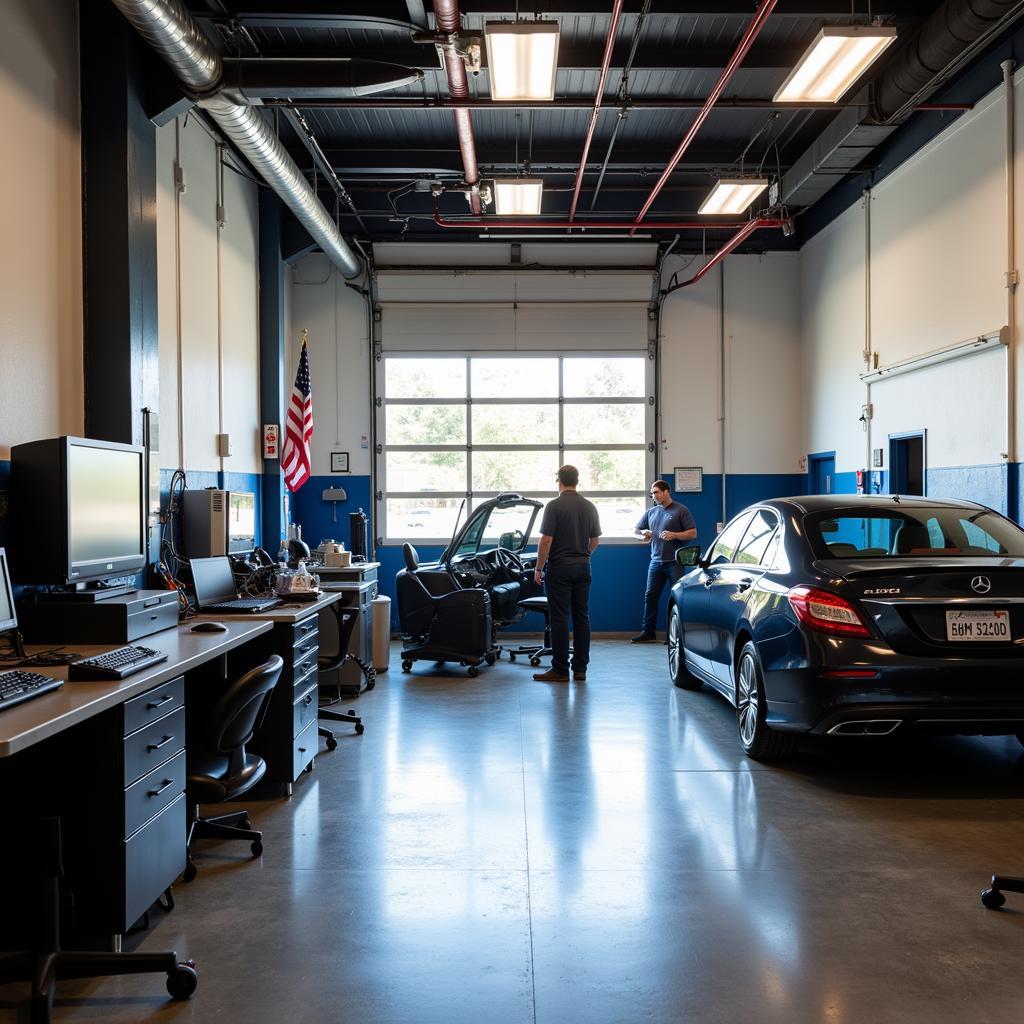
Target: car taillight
[827, 613]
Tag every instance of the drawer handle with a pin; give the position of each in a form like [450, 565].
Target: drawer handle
[159, 703]
[302, 750]
[162, 743]
[156, 792]
[308, 699]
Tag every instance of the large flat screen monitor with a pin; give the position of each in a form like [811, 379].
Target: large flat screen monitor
[77, 510]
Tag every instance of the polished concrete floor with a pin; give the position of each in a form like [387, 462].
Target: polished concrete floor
[498, 850]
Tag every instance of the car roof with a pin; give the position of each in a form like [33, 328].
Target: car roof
[831, 502]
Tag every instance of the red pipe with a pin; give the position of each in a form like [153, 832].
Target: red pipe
[730, 69]
[609, 45]
[744, 232]
[446, 14]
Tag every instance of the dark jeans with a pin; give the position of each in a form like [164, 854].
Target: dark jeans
[657, 574]
[568, 588]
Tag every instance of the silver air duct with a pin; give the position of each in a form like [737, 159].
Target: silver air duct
[170, 29]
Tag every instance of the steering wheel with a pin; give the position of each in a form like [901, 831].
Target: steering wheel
[509, 560]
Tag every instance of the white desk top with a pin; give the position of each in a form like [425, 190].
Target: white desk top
[38, 719]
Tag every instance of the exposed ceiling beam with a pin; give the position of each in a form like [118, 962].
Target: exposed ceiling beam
[570, 57]
[581, 103]
[328, 14]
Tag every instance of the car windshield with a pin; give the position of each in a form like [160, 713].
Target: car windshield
[912, 533]
[506, 527]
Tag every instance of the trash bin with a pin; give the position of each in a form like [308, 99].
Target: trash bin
[381, 620]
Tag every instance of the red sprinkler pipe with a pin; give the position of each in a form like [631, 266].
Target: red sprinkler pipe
[746, 42]
[446, 14]
[744, 232]
[606, 61]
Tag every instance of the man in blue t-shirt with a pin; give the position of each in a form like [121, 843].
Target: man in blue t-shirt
[668, 526]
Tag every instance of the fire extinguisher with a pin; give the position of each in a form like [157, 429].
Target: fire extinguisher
[860, 481]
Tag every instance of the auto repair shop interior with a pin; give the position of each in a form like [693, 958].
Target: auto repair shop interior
[758, 250]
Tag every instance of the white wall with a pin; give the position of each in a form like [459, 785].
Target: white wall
[208, 306]
[937, 266]
[762, 367]
[40, 223]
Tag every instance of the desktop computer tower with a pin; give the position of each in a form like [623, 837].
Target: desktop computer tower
[218, 522]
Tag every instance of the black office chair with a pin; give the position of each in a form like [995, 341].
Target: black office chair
[337, 624]
[441, 621]
[220, 769]
[535, 651]
[44, 963]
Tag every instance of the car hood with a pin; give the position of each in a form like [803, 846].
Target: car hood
[477, 520]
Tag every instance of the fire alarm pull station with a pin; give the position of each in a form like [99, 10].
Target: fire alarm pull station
[860, 481]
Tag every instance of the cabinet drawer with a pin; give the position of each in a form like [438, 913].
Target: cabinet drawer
[304, 710]
[153, 792]
[307, 627]
[153, 744]
[303, 683]
[302, 666]
[153, 704]
[153, 859]
[304, 748]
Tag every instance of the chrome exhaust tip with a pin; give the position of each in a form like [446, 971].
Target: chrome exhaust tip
[867, 727]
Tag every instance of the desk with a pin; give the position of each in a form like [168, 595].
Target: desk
[288, 740]
[94, 754]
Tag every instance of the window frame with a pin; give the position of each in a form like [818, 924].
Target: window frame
[382, 403]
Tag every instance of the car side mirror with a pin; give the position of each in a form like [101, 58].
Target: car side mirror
[689, 556]
[513, 540]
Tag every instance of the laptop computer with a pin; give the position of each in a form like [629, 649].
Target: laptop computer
[215, 588]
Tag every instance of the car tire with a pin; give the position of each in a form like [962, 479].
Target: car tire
[759, 742]
[681, 675]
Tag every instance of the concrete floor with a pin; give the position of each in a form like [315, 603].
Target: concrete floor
[499, 850]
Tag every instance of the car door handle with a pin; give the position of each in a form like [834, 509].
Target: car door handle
[710, 578]
[745, 584]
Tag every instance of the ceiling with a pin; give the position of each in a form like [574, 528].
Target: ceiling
[386, 147]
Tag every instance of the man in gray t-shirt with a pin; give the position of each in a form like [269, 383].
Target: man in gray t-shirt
[668, 525]
[569, 532]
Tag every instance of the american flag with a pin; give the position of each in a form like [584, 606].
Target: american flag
[295, 462]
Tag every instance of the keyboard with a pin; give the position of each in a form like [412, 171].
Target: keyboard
[243, 604]
[116, 664]
[16, 686]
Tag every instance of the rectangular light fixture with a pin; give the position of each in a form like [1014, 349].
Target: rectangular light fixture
[522, 57]
[732, 195]
[517, 197]
[839, 55]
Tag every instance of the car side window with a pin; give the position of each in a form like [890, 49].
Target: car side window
[724, 548]
[755, 541]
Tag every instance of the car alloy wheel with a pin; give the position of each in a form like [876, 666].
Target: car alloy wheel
[681, 675]
[759, 742]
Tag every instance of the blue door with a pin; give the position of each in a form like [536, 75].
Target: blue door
[821, 469]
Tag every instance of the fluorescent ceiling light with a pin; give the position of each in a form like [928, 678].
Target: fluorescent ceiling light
[839, 55]
[732, 195]
[522, 57]
[517, 197]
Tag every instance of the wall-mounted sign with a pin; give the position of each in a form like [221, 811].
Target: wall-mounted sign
[688, 479]
[339, 462]
[876, 457]
[270, 439]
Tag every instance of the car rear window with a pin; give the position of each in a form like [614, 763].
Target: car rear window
[912, 533]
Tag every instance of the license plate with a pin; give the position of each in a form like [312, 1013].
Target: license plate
[967, 626]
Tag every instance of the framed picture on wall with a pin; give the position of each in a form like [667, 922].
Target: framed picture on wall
[339, 462]
[688, 479]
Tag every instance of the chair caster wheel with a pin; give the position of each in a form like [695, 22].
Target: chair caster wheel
[359, 728]
[473, 671]
[332, 744]
[182, 981]
[535, 662]
[257, 848]
[190, 872]
[491, 659]
[406, 666]
[993, 899]
[511, 656]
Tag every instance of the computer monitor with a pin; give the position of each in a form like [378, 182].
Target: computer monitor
[77, 510]
[8, 617]
[241, 521]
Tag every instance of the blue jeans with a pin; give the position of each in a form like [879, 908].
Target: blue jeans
[657, 574]
[568, 589]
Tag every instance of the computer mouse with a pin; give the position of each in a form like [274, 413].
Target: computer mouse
[209, 627]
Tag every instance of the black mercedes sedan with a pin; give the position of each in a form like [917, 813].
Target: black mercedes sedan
[852, 615]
